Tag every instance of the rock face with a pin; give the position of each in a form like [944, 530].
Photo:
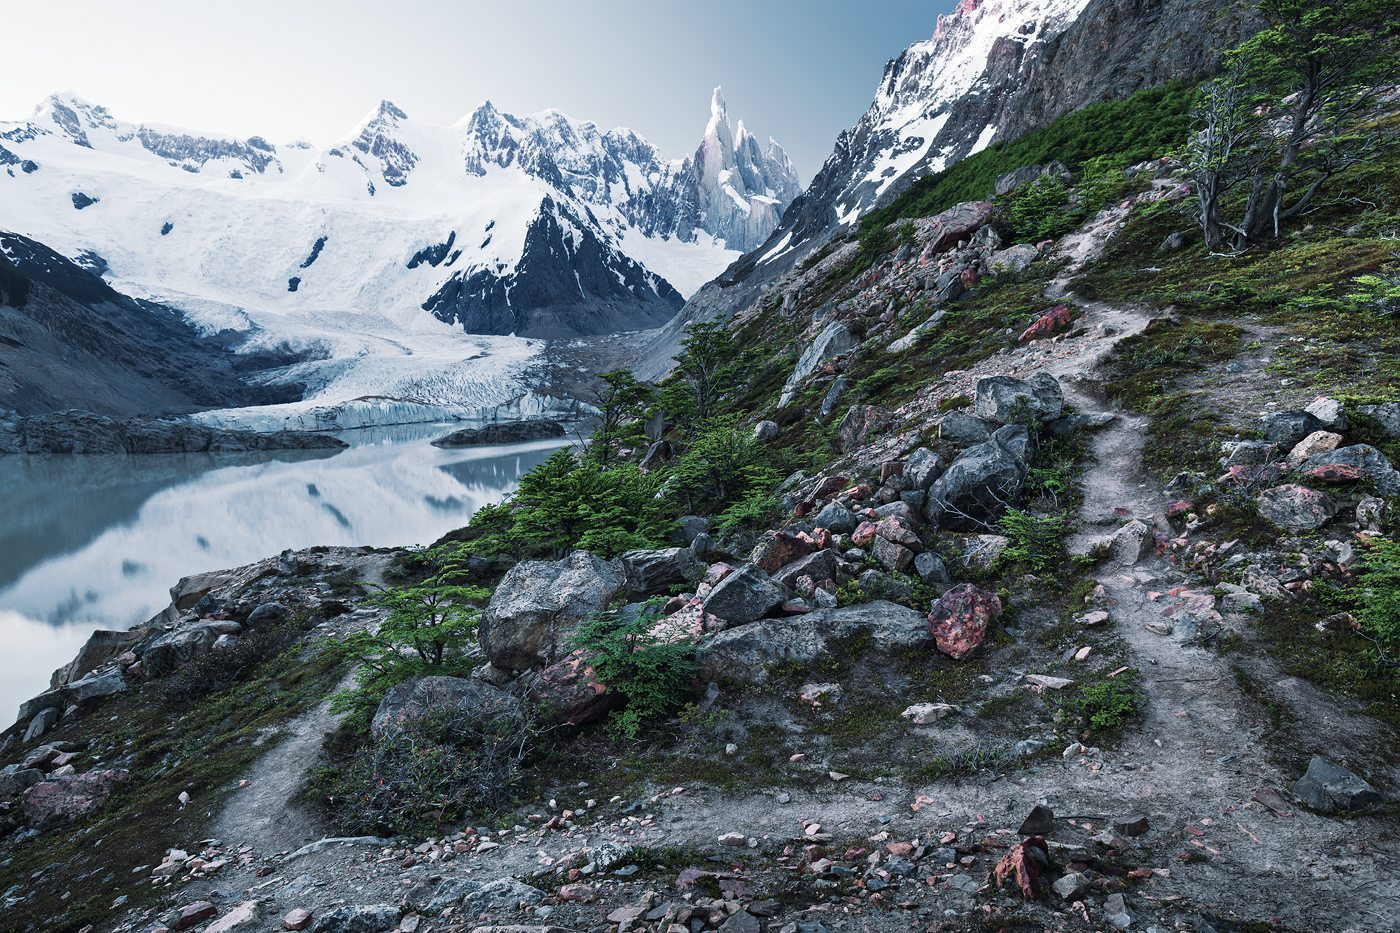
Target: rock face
[508, 432]
[539, 602]
[419, 696]
[82, 432]
[745, 653]
[960, 619]
[1328, 787]
[834, 340]
[651, 572]
[745, 595]
[860, 422]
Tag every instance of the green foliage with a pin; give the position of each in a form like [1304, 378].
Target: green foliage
[708, 378]
[220, 670]
[564, 504]
[1035, 541]
[724, 464]
[1144, 126]
[1104, 706]
[436, 768]
[1040, 211]
[1380, 611]
[428, 629]
[619, 398]
[653, 674]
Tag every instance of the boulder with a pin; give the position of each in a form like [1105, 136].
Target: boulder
[1057, 320]
[102, 646]
[570, 692]
[923, 467]
[820, 565]
[687, 527]
[1318, 442]
[190, 590]
[1132, 543]
[243, 916]
[836, 519]
[1370, 513]
[859, 423]
[1016, 258]
[900, 511]
[745, 654]
[960, 618]
[943, 231]
[1330, 412]
[930, 569]
[170, 650]
[74, 796]
[266, 614]
[895, 558]
[833, 395]
[539, 602]
[1001, 398]
[876, 584]
[660, 452]
[1386, 417]
[1363, 457]
[1067, 424]
[977, 486]
[986, 237]
[365, 918]
[95, 687]
[1329, 787]
[911, 338]
[1287, 428]
[506, 432]
[963, 430]
[745, 595]
[1296, 508]
[834, 340]
[15, 780]
[419, 696]
[781, 550]
[1007, 183]
[649, 573]
[763, 432]
[950, 286]
[926, 714]
[1247, 453]
[195, 914]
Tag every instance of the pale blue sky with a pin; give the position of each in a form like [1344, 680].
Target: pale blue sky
[797, 71]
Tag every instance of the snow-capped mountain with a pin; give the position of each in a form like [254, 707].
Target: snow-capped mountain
[400, 239]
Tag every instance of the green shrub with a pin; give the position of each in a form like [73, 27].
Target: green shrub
[1036, 541]
[1104, 706]
[654, 675]
[1380, 612]
[724, 464]
[428, 630]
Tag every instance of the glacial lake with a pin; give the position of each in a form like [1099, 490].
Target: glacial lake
[89, 542]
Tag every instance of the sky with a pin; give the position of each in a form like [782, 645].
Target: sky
[799, 71]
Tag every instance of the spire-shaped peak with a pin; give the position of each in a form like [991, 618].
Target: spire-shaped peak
[718, 109]
[387, 109]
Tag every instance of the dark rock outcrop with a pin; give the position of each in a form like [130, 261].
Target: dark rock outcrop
[82, 432]
[505, 432]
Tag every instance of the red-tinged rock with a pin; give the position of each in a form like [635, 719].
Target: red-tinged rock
[195, 913]
[264, 871]
[1336, 473]
[892, 529]
[864, 534]
[891, 468]
[830, 487]
[802, 508]
[1140, 873]
[1021, 867]
[1057, 319]
[899, 848]
[583, 893]
[62, 759]
[691, 877]
[1296, 508]
[958, 222]
[1179, 507]
[689, 624]
[858, 492]
[970, 276]
[822, 539]
[74, 796]
[960, 619]
[297, 919]
[796, 607]
[781, 550]
[571, 692]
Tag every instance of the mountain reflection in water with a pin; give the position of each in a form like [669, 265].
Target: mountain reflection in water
[97, 541]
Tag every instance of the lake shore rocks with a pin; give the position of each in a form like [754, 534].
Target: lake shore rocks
[82, 432]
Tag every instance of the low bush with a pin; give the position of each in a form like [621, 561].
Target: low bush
[1104, 706]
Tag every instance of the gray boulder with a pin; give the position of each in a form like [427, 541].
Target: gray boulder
[978, 486]
[1386, 417]
[950, 287]
[95, 687]
[1287, 428]
[834, 340]
[169, 650]
[539, 602]
[902, 511]
[833, 395]
[503, 894]
[367, 918]
[31, 707]
[1329, 787]
[746, 653]
[1015, 258]
[102, 646]
[651, 572]
[820, 565]
[1330, 412]
[929, 567]
[963, 430]
[1009, 182]
[1132, 543]
[265, 615]
[42, 722]
[896, 558]
[1296, 508]
[687, 527]
[764, 431]
[836, 519]
[1362, 457]
[999, 398]
[419, 696]
[15, 780]
[745, 595]
[922, 468]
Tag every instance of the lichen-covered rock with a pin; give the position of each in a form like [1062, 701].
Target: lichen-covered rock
[419, 696]
[963, 430]
[1132, 543]
[569, 691]
[1364, 458]
[1287, 428]
[1327, 787]
[745, 595]
[1022, 866]
[1001, 398]
[781, 550]
[960, 619]
[651, 572]
[74, 796]
[978, 486]
[1296, 508]
[539, 602]
[859, 423]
